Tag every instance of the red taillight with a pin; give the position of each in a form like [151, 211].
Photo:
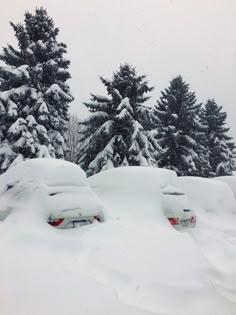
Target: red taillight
[193, 220]
[97, 218]
[173, 221]
[56, 222]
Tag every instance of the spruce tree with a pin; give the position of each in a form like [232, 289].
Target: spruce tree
[34, 95]
[72, 139]
[118, 131]
[179, 131]
[202, 160]
[220, 145]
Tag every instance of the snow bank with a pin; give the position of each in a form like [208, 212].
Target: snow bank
[110, 268]
[215, 232]
[117, 267]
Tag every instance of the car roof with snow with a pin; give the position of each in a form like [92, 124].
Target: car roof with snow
[209, 194]
[51, 172]
[229, 180]
[136, 177]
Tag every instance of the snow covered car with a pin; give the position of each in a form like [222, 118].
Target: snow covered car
[211, 196]
[230, 181]
[145, 193]
[68, 199]
[178, 208]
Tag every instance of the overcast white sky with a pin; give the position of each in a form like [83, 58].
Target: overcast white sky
[162, 38]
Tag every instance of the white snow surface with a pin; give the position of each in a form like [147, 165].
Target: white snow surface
[124, 266]
[118, 189]
[134, 177]
[230, 181]
[215, 233]
[211, 195]
[58, 93]
[71, 198]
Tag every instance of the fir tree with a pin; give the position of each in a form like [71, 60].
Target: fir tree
[34, 95]
[220, 145]
[72, 139]
[179, 131]
[117, 133]
[202, 160]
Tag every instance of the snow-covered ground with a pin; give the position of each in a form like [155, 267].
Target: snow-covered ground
[122, 266]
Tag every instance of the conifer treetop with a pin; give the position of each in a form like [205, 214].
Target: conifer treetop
[118, 131]
[33, 90]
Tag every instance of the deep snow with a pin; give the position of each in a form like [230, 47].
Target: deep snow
[229, 180]
[122, 266]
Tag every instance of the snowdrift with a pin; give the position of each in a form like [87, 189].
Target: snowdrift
[127, 265]
[215, 232]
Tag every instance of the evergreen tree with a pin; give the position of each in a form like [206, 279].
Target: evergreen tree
[179, 131]
[202, 160]
[34, 95]
[220, 145]
[117, 132]
[72, 139]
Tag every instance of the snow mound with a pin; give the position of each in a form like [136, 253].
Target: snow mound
[82, 200]
[135, 177]
[230, 181]
[215, 232]
[117, 267]
[133, 194]
[209, 195]
[121, 267]
[62, 186]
